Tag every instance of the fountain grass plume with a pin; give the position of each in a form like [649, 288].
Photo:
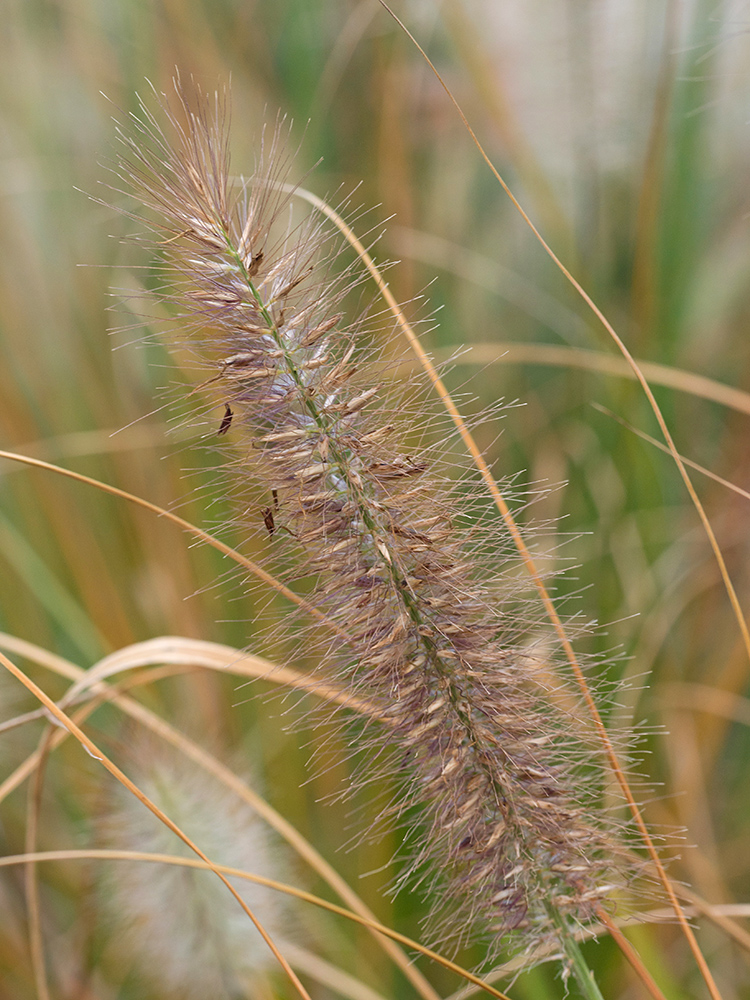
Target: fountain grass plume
[500, 779]
[179, 927]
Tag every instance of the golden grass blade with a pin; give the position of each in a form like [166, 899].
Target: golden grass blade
[328, 975]
[221, 658]
[204, 536]
[575, 357]
[662, 447]
[290, 890]
[31, 882]
[120, 776]
[212, 656]
[183, 652]
[631, 955]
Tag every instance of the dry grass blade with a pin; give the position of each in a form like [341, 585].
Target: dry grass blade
[94, 751]
[31, 882]
[181, 651]
[610, 750]
[212, 656]
[226, 871]
[192, 529]
[662, 447]
[223, 658]
[608, 364]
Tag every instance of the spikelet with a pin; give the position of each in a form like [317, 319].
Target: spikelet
[503, 778]
[180, 928]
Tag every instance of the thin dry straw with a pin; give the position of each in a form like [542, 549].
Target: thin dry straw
[153, 651]
[204, 536]
[608, 364]
[554, 618]
[363, 916]
[73, 855]
[200, 653]
[222, 658]
[662, 447]
[115, 771]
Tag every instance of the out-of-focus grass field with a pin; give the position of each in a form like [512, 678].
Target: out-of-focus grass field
[622, 128]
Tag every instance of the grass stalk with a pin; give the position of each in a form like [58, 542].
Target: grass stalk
[576, 964]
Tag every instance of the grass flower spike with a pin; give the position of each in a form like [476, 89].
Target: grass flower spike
[502, 779]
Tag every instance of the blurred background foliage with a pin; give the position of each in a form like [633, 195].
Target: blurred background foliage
[622, 127]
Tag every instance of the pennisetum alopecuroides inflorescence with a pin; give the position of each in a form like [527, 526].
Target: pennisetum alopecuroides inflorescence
[503, 774]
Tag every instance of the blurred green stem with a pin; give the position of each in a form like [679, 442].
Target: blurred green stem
[576, 963]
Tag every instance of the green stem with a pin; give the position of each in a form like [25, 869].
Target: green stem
[576, 962]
